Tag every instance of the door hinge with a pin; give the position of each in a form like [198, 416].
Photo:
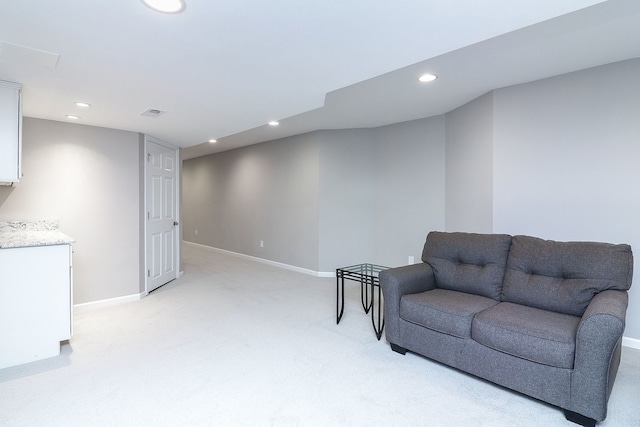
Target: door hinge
[148, 215]
[148, 273]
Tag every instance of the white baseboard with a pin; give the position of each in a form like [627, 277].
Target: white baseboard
[269, 262]
[631, 342]
[88, 306]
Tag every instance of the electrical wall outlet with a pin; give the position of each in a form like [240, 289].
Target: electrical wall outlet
[411, 260]
[196, 231]
[262, 243]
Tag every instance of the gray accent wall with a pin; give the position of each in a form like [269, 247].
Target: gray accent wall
[87, 178]
[343, 196]
[266, 192]
[409, 188]
[567, 161]
[469, 167]
[346, 201]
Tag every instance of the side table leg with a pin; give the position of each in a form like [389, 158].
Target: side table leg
[339, 295]
[378, 326]
[364, 295]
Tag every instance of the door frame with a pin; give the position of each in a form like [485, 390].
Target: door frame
[177, 230]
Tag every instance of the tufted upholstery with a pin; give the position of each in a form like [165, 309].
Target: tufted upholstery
[564, 276]
[466, 262]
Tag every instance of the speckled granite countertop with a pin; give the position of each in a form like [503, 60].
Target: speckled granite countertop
[20, 234]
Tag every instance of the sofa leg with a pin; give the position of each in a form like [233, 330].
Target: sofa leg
[574, 417]
[398, 349]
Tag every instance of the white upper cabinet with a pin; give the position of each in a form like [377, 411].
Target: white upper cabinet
[10, 132]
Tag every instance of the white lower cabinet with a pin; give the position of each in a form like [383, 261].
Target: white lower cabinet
[36, 306]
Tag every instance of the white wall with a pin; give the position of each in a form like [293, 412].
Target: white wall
[566, 161]
[87, 178]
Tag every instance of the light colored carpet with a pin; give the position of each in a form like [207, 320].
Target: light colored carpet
[240, 343]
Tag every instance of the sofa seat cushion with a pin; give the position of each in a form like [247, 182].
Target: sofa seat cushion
[445, 311]
[530, 333]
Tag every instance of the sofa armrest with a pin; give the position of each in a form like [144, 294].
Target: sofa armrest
[598, 348]
[396, 282]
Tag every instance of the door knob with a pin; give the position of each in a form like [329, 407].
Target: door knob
[175, 223]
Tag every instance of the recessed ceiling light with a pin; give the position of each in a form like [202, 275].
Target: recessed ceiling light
[83, 104]
[72, 117]
[427, 78]
[213, 141]
[166, 6]
[273, 123]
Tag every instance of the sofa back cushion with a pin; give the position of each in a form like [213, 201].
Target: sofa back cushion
[564, 276]
[467, 262]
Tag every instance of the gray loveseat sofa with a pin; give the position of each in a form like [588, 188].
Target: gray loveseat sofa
[539, 317]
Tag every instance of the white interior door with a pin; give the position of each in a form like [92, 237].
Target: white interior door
[162, 214]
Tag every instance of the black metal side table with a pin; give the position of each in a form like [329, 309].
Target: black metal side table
[367, 275]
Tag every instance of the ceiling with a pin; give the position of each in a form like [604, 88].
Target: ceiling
[224, 69]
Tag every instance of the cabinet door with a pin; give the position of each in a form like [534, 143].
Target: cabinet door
[10, 132]
[34, 303]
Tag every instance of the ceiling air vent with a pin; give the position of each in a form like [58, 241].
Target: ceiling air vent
[152, 112]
